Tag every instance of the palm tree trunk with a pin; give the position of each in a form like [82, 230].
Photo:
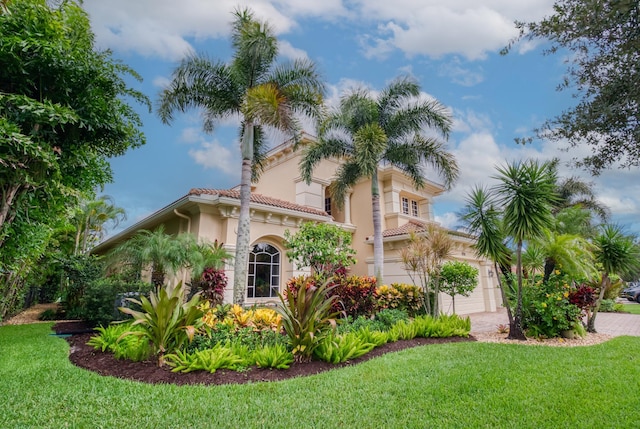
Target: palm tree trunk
[591, 319]
[378, 251]
[244, 222]
[505, 300]
[515, 329]
[549, 266]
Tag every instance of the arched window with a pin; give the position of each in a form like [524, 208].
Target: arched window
[264, 271]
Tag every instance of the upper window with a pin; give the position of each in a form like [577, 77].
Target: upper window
[410, 207]
[264, 271]
[327, 205]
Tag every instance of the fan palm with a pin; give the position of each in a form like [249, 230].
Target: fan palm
[366, 130]
[260, 92]
[91, 219]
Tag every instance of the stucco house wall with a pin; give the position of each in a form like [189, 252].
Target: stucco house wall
[282, 201]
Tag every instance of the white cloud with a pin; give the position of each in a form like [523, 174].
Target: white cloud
[288, 51]
[161, 82]
[438, 27]
[461, 75]
[214, 155]
[448, 220]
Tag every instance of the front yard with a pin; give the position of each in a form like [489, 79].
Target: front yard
[462, 385]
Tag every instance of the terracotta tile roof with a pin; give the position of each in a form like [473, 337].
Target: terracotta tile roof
[259, 199]
[412, 225]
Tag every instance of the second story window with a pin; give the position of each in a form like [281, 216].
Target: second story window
[405, 205]
[410, 207]
[414, 208]
[327, 205]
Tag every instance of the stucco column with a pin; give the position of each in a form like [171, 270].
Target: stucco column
[347, 208]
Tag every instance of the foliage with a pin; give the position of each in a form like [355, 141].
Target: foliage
[390, 316]
[307, 318]
[583, 297]
[324, 247]
[443, 326]
[602, 39]
[401, 296]
[356, 295]
[164, 253]
[206, 255]
[212, 284]
[404, 330]
[338, 348]
[218, 357]
[276, 356]
[63, 113]
[78, 273]
[548, 310]
[36, 374]
[228, 334]
[234, 316]
[90, 219]
[610, 306]
[617, 253]
[110, 339]
[366, 130]
[458, 278]
[423, 258]
[262, 93]
[166, 321]
[349, 324]
[98, 304]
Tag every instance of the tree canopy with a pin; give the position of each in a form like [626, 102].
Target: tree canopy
[603, 41]
[63, 113]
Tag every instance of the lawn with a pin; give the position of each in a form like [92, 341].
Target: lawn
[631, 308]
[463, 385]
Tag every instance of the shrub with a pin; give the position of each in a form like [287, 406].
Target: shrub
[273, 356]
[166, 321]
[307, 317]
[218, 357]
[349, 324]
[610, 306]
[340, 348]
[443, 326]
[390, 317]
[409, 298]
[129, 347]
[227, 334]
[102, 298]
[547, 310]
[356, 295]
[212, 284]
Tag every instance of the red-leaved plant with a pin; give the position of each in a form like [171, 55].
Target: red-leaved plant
[212, 285]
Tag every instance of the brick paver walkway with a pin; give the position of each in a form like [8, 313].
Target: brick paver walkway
[606, 323]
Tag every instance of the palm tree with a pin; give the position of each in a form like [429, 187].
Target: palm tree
[616, 253]
[257, 90]
[163, 252]
[366, 130]
[572, 252]
[91, 219]
[483, 220]
[526, 192]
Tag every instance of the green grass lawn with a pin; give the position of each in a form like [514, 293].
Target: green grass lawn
[631, 308]
[464, 385]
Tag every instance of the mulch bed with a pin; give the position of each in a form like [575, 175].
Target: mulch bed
[103, 363]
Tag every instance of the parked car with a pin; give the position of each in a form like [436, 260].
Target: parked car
[632, 293]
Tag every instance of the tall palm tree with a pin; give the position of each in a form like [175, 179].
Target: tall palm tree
[616, 253]
[366, 130]
[91, 219]
[526, 191]
[253, 87]
[483, 220]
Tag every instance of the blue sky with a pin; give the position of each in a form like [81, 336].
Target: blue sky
[451, 47]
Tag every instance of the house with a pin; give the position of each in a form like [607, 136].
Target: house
[282, 201]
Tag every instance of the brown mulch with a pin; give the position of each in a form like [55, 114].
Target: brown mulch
[104, 363]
